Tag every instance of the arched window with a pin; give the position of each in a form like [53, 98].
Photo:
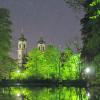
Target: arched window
[39, 48]
[43, 48]
[19, 46]
[24, 46]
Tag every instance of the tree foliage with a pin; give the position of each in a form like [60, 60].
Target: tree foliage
[70, 69]
[90, 26]
[5, 41]
[90, 30]
[5, 30]
[50, 64]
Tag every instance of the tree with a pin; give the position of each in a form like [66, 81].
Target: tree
[70, 68]
[52, 56]
[90, 29]
[50, 64]
[5, 30]
[90, 25]
[34, 62]
[7, 66]
[5, 37]
[44, 64]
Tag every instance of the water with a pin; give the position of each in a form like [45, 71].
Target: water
[48, 93]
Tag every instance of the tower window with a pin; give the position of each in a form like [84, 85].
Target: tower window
[24, 45]
[39, 48]
[43, 48]
[19, 45]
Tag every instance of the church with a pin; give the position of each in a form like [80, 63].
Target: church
[22, 49]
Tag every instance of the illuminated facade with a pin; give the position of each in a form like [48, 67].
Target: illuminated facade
[41, 45]
[21, 50]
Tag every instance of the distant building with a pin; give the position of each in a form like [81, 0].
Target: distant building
[41, 45]
[21, 50]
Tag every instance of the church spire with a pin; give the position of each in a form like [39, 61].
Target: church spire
[41, 44]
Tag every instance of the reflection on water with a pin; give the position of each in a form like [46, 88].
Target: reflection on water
[61, 93]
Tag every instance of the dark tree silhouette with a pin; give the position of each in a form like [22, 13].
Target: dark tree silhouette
[5, 39]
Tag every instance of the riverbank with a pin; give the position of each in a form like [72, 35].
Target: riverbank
[36, 82]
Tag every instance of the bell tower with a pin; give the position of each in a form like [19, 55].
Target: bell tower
[21, 50]
[41, 44]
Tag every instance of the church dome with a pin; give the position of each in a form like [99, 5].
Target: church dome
[41, 41]
[22, 38]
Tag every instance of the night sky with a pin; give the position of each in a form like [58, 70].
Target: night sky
[50, 19]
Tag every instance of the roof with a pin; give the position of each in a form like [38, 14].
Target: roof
[41, 41]
[22, 38]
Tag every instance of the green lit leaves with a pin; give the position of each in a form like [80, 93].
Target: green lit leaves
[50, 64]
[71, 65]
[63, 93]
[93, 3]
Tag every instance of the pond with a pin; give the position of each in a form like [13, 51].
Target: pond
[48, 93]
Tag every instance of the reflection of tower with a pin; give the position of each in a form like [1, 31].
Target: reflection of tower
[21, 50]
[41, 44]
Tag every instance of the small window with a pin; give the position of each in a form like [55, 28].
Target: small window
[24, 46]
[19, 45]
[39, 48]
[43, 48]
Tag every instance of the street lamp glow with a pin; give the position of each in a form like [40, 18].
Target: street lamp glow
[88, 94]
[18, 71]
[87, 70]
[18, 94]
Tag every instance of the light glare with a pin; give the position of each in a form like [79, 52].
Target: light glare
[18, 71]
[88, 94]
[87, 70]
[18, 94]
